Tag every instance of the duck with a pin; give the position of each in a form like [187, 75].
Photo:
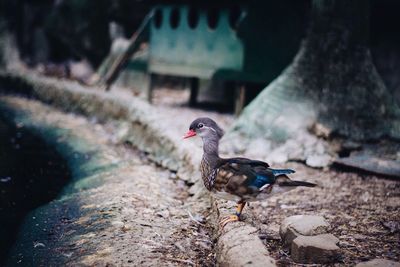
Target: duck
[237, 179]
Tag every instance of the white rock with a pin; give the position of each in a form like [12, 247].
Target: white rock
[81, 70]
[318, 161]
[258, 148]
[117, 224]
[277, 156]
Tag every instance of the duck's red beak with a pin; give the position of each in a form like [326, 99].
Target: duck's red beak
[190, 133]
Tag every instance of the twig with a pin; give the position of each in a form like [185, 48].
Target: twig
[193, 219]
[180, 260]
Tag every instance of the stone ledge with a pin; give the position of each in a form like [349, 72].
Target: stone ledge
[242, 251]
[144, 132]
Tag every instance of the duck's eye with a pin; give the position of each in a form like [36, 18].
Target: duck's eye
[200, 125]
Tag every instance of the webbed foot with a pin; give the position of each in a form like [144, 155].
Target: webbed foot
[228, 219]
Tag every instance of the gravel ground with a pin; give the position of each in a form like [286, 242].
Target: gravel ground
[137, 214]
[363, 209]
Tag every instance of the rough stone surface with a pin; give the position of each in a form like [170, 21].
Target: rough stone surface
[378, 263]
[315, 249]
[119, 209]
[150, 132]
[370, 163]
[307, 225]
[318, 161]
[230, 247]
[145, 122]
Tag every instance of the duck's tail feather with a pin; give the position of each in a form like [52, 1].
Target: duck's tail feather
[278, 172]
[298, 183]
[283, 180]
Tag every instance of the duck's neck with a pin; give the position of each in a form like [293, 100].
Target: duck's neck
[210, 146]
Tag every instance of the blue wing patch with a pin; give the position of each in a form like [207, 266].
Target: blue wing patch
[260, 181]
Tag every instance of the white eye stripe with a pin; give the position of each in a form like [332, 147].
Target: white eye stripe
[210, 128]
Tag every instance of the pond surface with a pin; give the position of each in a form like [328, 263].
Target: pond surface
[31, 174]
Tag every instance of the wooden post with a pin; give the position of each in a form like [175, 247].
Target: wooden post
[150, 87]
[240, 98]
[194, 90]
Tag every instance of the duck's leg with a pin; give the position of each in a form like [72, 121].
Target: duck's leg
[235, 217]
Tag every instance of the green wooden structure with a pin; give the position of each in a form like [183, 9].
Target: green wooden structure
[239, 45]
[183, 43]
[194, 43]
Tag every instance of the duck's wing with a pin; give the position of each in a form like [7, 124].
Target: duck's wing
[243, 175]
[246, 161]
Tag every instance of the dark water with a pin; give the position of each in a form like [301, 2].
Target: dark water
[31, 174]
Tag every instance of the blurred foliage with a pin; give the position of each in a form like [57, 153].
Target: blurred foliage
[82, 26]
[59, 30]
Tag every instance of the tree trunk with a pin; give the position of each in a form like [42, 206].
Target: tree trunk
[332, 83]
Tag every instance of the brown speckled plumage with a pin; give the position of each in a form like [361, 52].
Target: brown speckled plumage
[208, 174]
[237, 179]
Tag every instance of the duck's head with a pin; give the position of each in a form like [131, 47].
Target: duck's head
[205, 128]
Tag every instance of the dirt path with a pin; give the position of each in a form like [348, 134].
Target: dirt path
[133, 214]
[363, 209]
